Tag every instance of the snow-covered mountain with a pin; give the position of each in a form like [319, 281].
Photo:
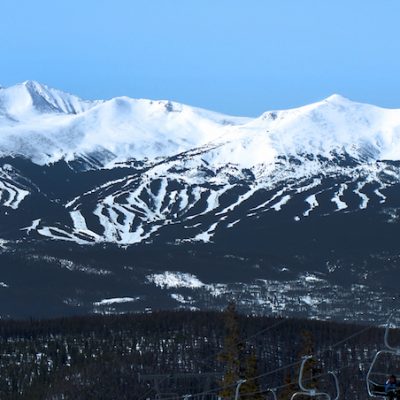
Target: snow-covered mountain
[312, 190]
[46, 125]
[198, 170]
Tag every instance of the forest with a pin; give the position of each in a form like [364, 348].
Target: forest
[173, 354]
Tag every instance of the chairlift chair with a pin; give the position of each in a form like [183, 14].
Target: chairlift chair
[377, 389]
[272, 392]
[311, 392]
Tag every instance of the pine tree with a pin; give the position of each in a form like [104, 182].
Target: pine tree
[309, 372]
[289, 389]
[232, 354]
[250, 390]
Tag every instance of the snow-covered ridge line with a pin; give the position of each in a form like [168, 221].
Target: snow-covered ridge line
[52, 125]
[138, 209]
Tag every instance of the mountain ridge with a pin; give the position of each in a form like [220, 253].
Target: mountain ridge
[46, 125]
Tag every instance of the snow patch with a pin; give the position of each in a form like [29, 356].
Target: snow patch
[115, 300]
[312, 202]
[168, 279]
[278, 206]
[381, 195]
[341, 205]
[309, 300]
[364, 197]
[32, 227]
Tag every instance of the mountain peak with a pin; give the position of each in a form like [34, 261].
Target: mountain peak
[337, 98]
[35, 87]
[33, 84]
[31, 98]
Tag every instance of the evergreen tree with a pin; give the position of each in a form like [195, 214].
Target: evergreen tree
[289, 389]
[232, 354]
[251, 388]
[311, 369]
[309, 372]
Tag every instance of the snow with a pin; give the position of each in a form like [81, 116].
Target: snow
[312, 202]
[197, 163]
[341, 205]
[181, 299]
[278, 206]
[309, 300]
[131, 210]
[379, 194]
[11, 195]
[363, 196]
[32, 97]
[80, 226]
[232, 224]
[51, 124]
[206, 235]
[239, 201]
[312, 278]
[32, 227]
[263, 205]
[115, 300]
[169, 279]
[56, 125]
[60, 234]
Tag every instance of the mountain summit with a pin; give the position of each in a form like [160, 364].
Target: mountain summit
[30, 99]
[46, 125]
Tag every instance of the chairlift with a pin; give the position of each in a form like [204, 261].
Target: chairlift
[238, 384]
[160, 396]
[272, 392]
[376, 379]
[311, 392]
[267, 391]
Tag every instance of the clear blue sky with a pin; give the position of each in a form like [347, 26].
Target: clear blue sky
[235, 56]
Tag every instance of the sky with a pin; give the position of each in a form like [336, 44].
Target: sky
[233, 56]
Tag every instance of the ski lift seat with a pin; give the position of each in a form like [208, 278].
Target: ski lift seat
[375, 380]
[311, 392]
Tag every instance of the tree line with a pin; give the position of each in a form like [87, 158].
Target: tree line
[170, 354]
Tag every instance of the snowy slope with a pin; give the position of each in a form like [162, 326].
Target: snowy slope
[168, 203]
[46, 125]
[334, 125]
[170, 172]
[30, 99]
[13, 189]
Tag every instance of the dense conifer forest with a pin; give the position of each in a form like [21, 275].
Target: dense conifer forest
[168, 354]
